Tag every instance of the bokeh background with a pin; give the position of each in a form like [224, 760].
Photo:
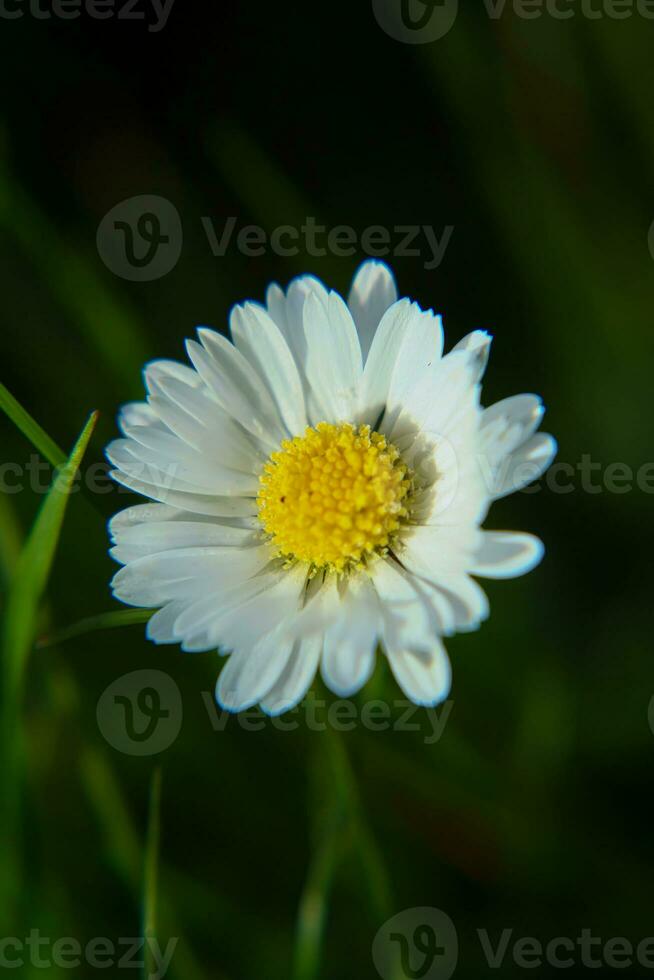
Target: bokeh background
[281, 854]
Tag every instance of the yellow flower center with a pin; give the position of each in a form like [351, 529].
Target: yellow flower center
[334, 496]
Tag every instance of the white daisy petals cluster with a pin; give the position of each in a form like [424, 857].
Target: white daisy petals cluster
[316, 488]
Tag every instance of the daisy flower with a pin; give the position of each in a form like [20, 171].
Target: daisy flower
[317, 486]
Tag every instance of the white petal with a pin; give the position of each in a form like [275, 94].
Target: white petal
[373, 291]
[201, 625]
[295, 680]
[417, 359]
[440, 394]
[151, 512]
[477, 343]
[173, 466]
[424, 677]
[506, 554]
[137, 414]
[508, 423]
[525, 465]
[333, 359]
[140, 514]
[195, 503]
[162, 370]
[261, 342]
[467, 602]
[213, 434]
[411, 616]
[442, 548]
[267, 613]
[400, 325]
[236, 385]
[160, 625]
[249, 675]
[185, 573]
[276, 306]
[350, 641]
[195, 416]
[154, 537]
[288, 313]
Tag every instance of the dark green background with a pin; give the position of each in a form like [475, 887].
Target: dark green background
[535, 140]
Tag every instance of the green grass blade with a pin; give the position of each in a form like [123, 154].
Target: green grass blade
[120, 840]
[122, 844]
[151, 872]
[110, 328]
[263, 187]
[30, 428]
[375, 874]
[26, 588]
[10, 539]
[342, 830]
[314, 903]
[116, 619]
[33, 569]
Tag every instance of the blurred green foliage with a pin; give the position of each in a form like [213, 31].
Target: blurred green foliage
[278, 853]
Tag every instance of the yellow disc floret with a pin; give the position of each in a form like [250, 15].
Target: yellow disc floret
[334, 496]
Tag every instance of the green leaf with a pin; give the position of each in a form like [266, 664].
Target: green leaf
[115, 619]
[30, 428]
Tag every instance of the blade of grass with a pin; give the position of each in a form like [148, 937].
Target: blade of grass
[10, 539]
[27, 586]
[314, 902]
[121, 841]
[39, 438]
[115, 619]
[33, 569]
[151, 873]
[30, 428]
[375, 874]
[110, 328]
[342, 829]
[262, 186]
